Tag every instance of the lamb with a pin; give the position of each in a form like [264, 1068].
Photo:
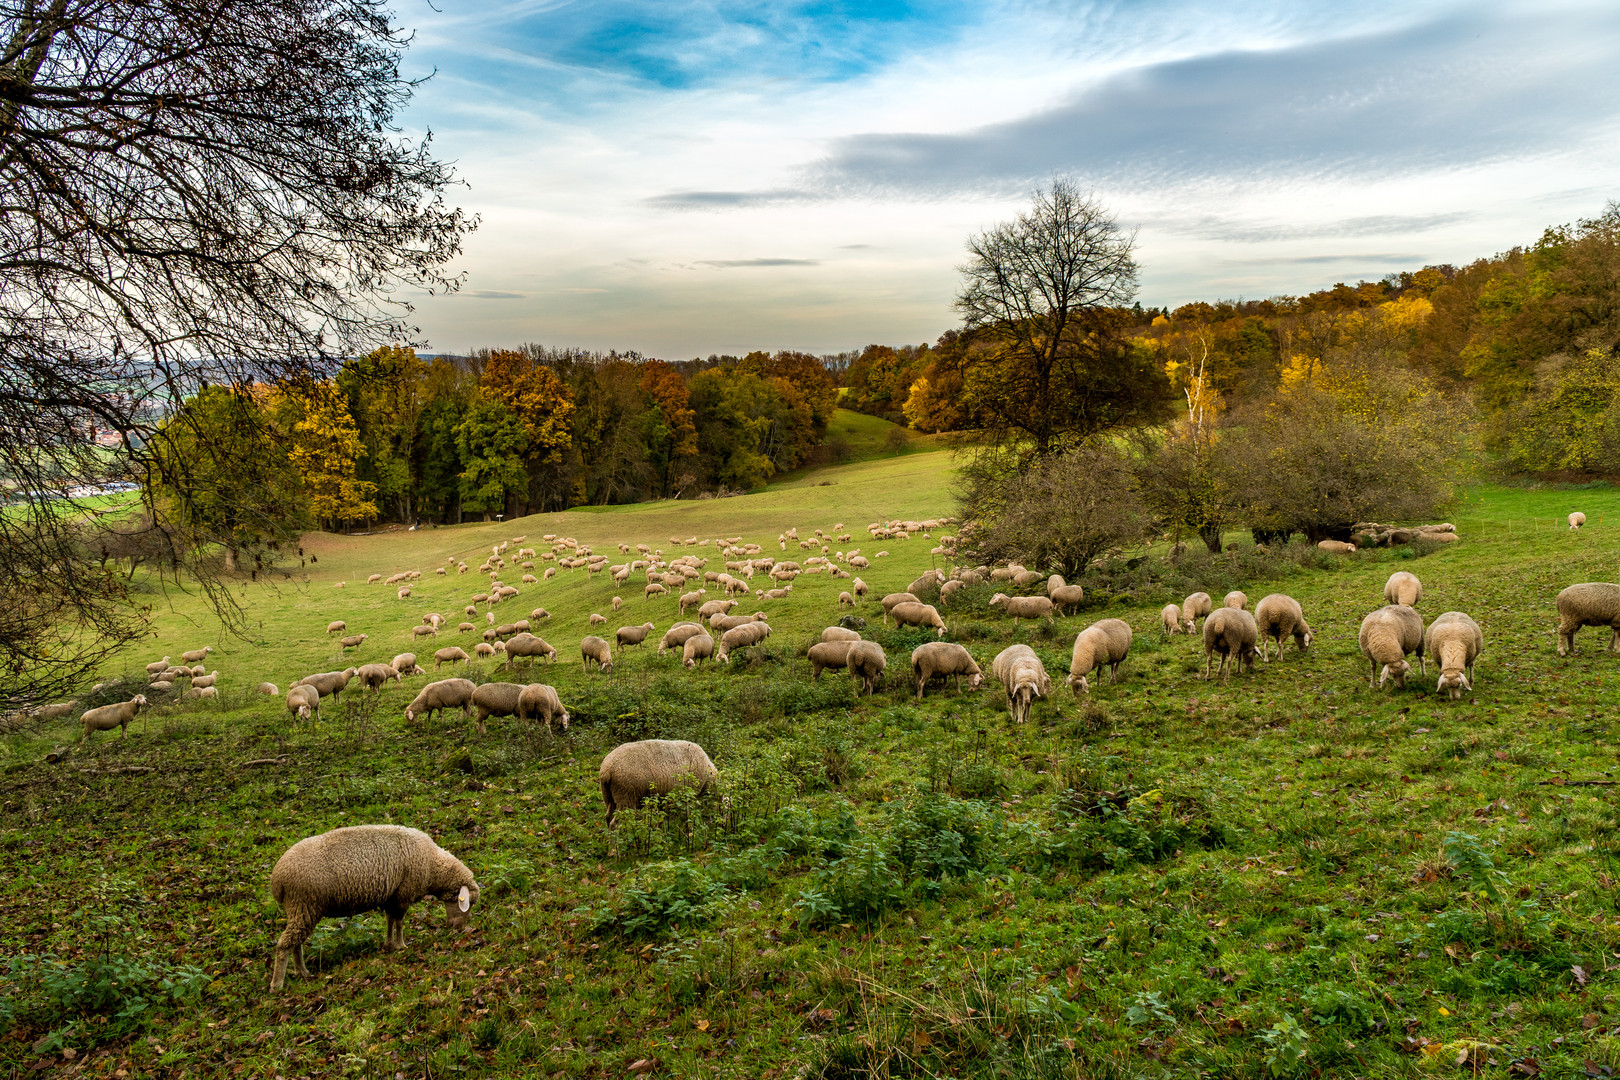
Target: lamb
[112, 716]
[302, 701]
[1336, 547]
[495, 699]
[1236, 599]
[1230, 631]
[528, 646]
[1023, 607]
[840, 633]
[676, 636]
[944, 659]
[1455, 641]
[269, 689]
[923, 615]
[372, 676]
[1386, 636]
[1576, 520]
[1170, 619]
[631, 772]
[866, 662]
[538, 699]
[328, 683]
[361, 868]
[1023, 678]
[452, 654]
[1277, 616]
[1594, 603]
[444, 694]
[741, 637]
[1107, 641]
[1195, 607]
[354, 641]
[405, 664]
[594, 649]
[633, 635]
[696, 649]
[336, 627]
[196, 655]
[828, 654]
[1403, 588]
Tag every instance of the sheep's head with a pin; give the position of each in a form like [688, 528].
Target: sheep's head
[1077, 683]
[1453, 683]
[1189, 626]
[139, 700]
[1396, 671]
[975, 679]
[457, 907]
[1305, 642]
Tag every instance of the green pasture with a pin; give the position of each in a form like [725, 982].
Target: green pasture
[1288, 874]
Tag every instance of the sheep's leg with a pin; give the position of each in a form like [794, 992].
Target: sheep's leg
[1372, 680]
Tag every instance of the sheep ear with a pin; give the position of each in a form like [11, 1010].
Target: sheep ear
[464, 899]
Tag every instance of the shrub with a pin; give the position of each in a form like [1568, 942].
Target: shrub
[669, 896]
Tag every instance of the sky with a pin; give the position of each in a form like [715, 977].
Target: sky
[688, 177]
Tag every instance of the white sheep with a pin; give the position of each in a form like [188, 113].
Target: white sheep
[1455, 641]
[828, 654]
[1592, 603]
[361, 868]
[632, 772]
[196, 655]
[1576, 520]
[866, 661]
[1023, 678]
[539, 699]
[696, 648]
[920, 615]
[437, 696]
[1024, 607]
[1170, 619]
[267, 688]
[1336, 547]
[451, 654]
[1195, 607]
[594, 650]
[1403, 588]
[1386, 637]
[405, 664]
[1236, 599]
[117, 716]
[1231, 632]
[1278, 616]
[944, 659]
[632, 635]
[1106, 641]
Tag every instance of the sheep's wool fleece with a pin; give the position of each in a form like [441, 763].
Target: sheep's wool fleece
[362, 867]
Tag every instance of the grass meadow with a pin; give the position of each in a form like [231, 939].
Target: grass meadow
[1289, 874]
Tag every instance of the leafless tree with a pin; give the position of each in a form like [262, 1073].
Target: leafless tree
[193, 191]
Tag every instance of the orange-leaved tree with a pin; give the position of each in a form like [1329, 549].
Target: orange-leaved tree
[535, 395]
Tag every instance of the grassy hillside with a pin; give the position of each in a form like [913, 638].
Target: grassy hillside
[1285, 874]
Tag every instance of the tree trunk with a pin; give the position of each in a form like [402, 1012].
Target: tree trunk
[1211, 535]
[230, 558]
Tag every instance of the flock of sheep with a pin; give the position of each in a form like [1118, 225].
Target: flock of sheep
[351, 870]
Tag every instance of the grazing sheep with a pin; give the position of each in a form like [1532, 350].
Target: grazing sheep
[724, 623]
[715, 607]
[690, 599]
[204, 682]
[372, 676]
[858, 587]
[741, 637]
[931, 579]
[354, 641]
[597, 620]
[944, 659]
[922, 615]
[527, 646]
[633, 772]
[444, 694]
[1403, 588]
[157, 665]
[1278, 616]
[1170, 619]
[1336, 547]
[1236, 599]
[466, 628]
[405, 664]
[538, 699]
[1386, 636]
[1455, 641]
[846, 600]
[196, 655]
[1593, 603]
[336, 627]
[1066, 598]
[676, 636]
[1231, 632]
[1023, 607]
[1023, 677]
[495, 699]
[866, 662]
[357, 869]
[1107, 641]
[328, 683]
[653, 590]
[1195, 607]
[840, 633]
[894, 599]
[1576, 520]
[483, 650]
[112, 716]
[595, 650]
[696, 649]
[302, 702]
[404, 592]
[424, 631]
[828, 654]
[162, 686]
[539, 613]
[633, 635]
[452, 654]
[946, 591]
[269, 689]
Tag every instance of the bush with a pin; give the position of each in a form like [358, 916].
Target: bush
[669, 897]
